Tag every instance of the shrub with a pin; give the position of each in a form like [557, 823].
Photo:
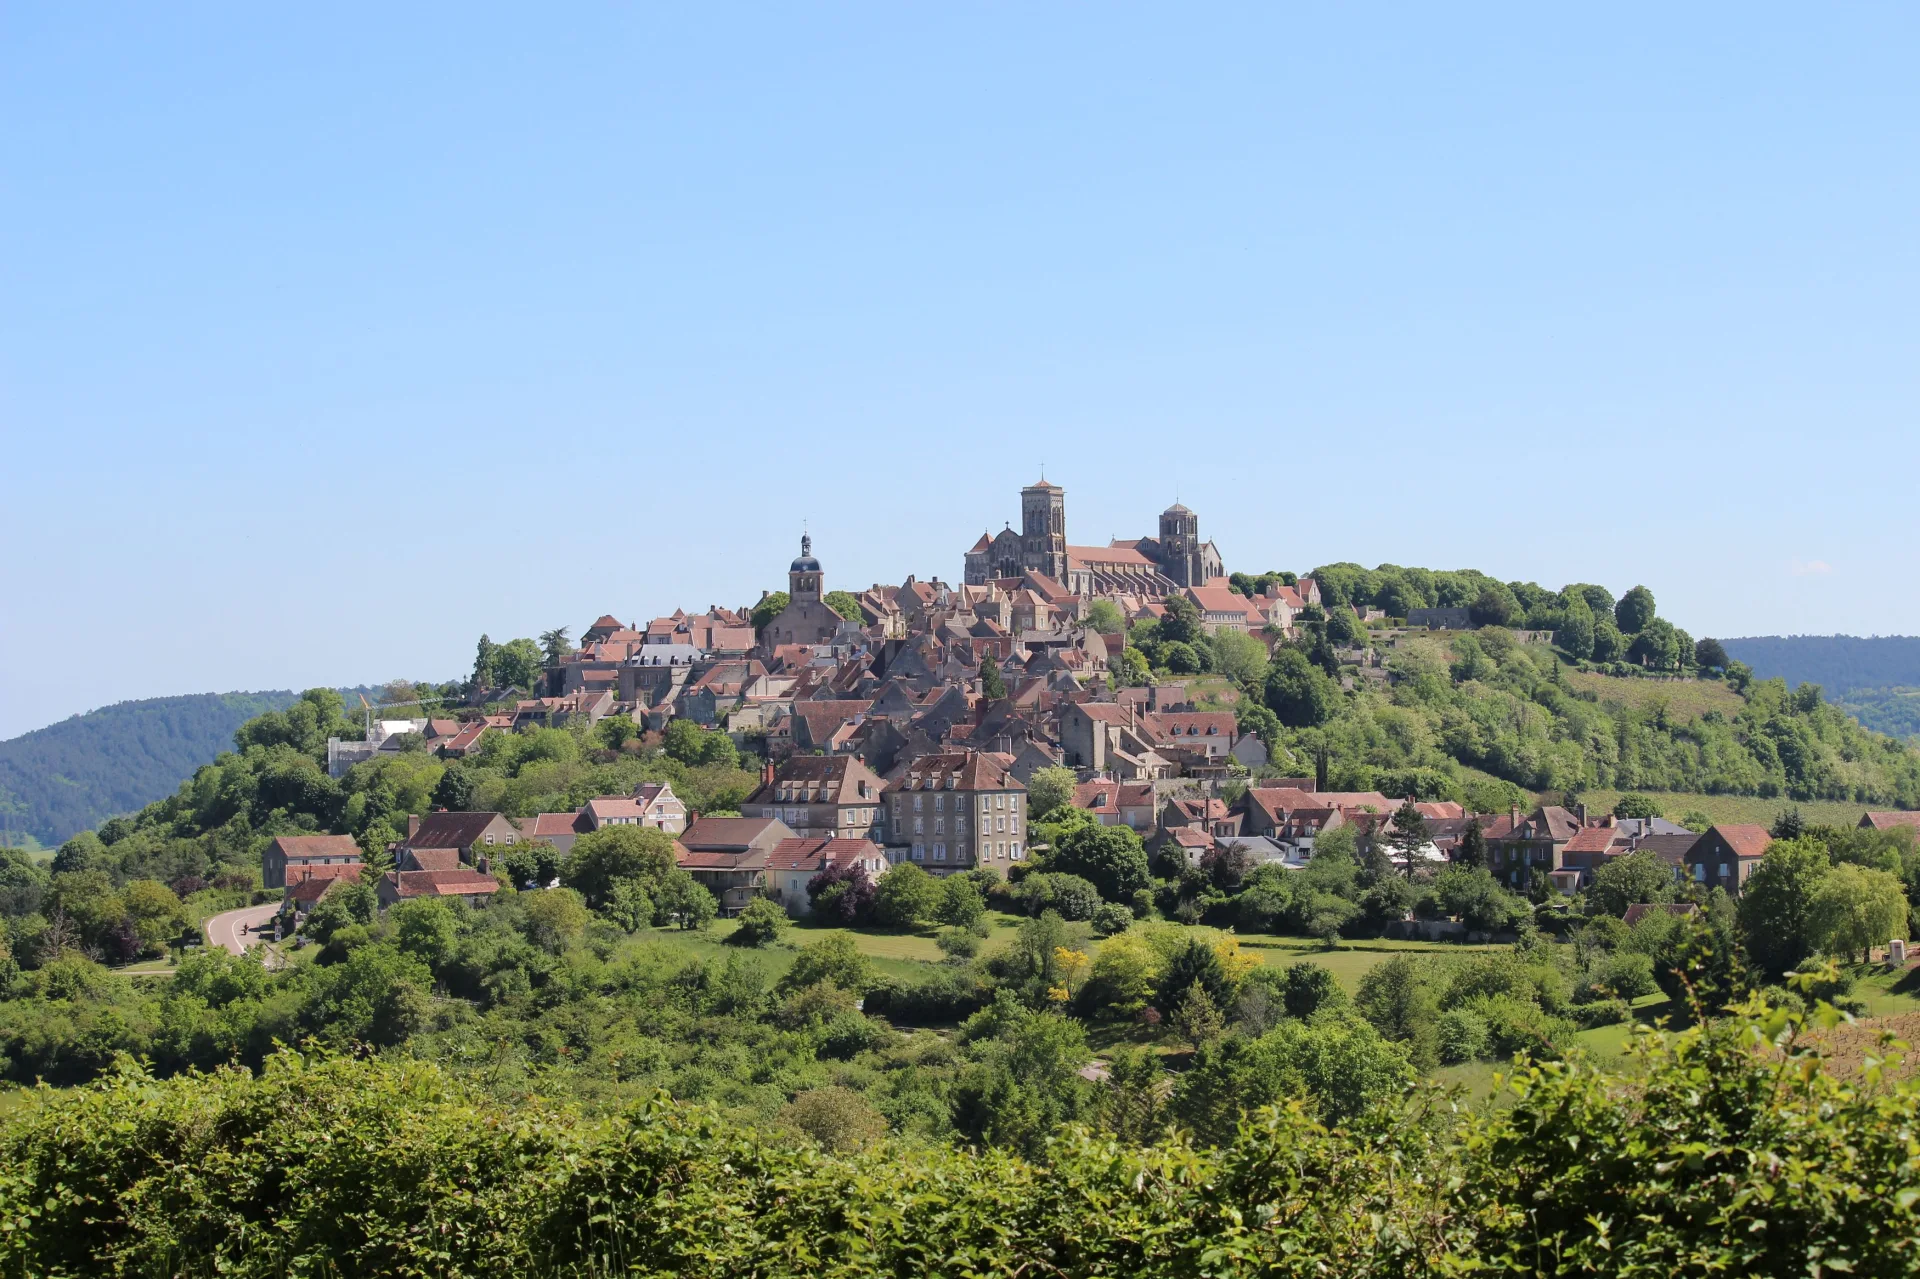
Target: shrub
[760, 924]
[1110, 918]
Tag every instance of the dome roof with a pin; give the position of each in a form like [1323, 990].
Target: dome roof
[806, 563]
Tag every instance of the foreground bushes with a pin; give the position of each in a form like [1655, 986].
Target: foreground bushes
[1735, 1153]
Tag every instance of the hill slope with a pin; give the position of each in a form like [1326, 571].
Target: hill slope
[1876, 680]
[71, 776]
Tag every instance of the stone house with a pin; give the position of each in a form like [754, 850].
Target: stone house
[835, 796]
[794, 862]
[470, 835]
[1725, 856]
[956, 810]
[287, 857]
[728, 855]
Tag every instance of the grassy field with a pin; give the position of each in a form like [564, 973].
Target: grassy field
[1724, 808]
[1685, 699]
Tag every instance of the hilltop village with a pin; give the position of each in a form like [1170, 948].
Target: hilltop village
[905, 724]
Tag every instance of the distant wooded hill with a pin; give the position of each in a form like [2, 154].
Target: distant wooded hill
[1877, 680]
[71, 776]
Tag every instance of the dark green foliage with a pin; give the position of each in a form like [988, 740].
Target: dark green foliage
[71, 776]
[768, 609]
[1634, 611]
[844, 603]
[760, 924]
[992, 687]
[1111, 858]
[1298, 692]
[1776, 905]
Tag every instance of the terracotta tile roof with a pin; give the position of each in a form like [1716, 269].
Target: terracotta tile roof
[296, 847]
[1441, 808]
[807, 855]
[833, 779]
[1190, 837]
[547, 825]
[969, 771]
[1746, 840]
[1097, 796]
[1222, 599]
[727, 833]
[1168, 725]
[305, 892]
[1888, 820]
[347, 872]
[431, 858]
[1123, 555]
[1593, 839]
[450, 830]
[1107, 713]
[442, 883]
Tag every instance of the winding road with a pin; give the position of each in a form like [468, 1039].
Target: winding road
[234, 929]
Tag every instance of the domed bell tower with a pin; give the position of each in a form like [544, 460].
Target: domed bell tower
[803, 575]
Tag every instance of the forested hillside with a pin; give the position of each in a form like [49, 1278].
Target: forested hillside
[1876, 680]
[1838, 663]
[71, 776]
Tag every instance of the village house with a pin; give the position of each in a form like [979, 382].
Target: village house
[1725, 856]
[956, 810]
[1129, 804]
[473, 887]
[729, 856]
[470, 836]
[652, 804]
[794, 862]
[304, 894]
[835, 796]
[287, 858]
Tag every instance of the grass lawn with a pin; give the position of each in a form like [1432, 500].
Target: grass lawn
[1685, 699]
[1724, 808]
[1351, 960]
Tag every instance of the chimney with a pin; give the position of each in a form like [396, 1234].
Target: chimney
[1513, 812]
[766, 773]
[1583, 815]
[413, 825]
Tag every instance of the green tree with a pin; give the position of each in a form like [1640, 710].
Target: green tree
[1307, 987]
[605, 857]
[1408, 834]
[992, 687]
[1130, 668]
[517, 663]
[1241, 658]
[839, 1119]
[767, 609]
[1609, 645]
[1776, 906]
[426, 928]
[1111, 858]
[760, 924]
[1400, 1002]
[1472, 849]
[1181, 623]
[1104, 616]
[1855, 909]
[1343, 627]
[1048, 790]
[1632, 805]
[844, 603]
[1630, 880]
[1576, 630]
[555, 644]
[484, 657]
[681, 899]
[1298, 692]
[834, 958]
[1710, 654]
[1634, 611]
[556, 918]
[1493, 606]
[961, 904]
[906, 895]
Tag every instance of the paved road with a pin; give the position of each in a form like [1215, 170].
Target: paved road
[233, 929]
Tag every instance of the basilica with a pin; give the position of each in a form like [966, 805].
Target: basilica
[1149, 566]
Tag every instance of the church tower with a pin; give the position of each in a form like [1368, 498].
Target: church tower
[803, 575]
[1180, 544]
[1043, 530]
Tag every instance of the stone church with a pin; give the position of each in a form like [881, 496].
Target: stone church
[806, 619]
[1147, 565]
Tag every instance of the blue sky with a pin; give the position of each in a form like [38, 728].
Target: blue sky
[330, 339]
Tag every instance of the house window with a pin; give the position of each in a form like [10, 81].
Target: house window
[1000, 823]
[939, 803]
[1700, 872]
[939, 825]
[986, 804]
[939, 852]
[919, 852]
[999, 801]
[489, 839]
[1013, 803]
[916, 802]
[1013, 850]
[1013, 825]
[919, 825]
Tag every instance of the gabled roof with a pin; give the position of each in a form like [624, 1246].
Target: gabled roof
[968, 771]
[346, 872]
[432, 858]
[295, 847]
[736, 834]
[1746, 840]
[1888, 820]
[441, 883]
[450, 830]
[550, 825]
[815, 854]
[1593, 839]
